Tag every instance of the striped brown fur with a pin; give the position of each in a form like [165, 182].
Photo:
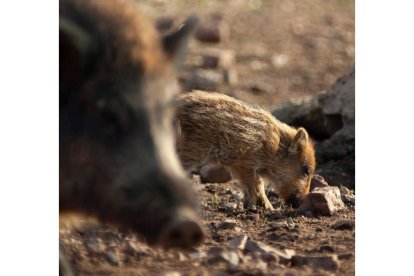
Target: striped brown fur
[248, 141]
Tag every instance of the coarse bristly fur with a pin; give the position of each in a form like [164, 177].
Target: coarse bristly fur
[117, 158]
[248, 141]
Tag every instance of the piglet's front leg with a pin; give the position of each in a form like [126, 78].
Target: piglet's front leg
[252, 185]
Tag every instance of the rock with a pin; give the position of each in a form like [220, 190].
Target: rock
[280, 61]
[112, 258]
[218, 238]
[273, 215]
[219, 254]
[318, 182]
[322, 201]
[228, 207]
[94, 246]
[283, 256]
[326, 248]
[257, 65]
[346, 256]
[236, 196]
[238, 242]
[349, 199]
[255, 217]
[252, 246]
[329, 263]
[196, 255]
[329, 117]
[237, 229]
[231, 76]
[214, 174]
[307, 113]
[240, 206]
[290, 111]
[213, 32]
[340, 99]
[131, 248]
[290, 224]
[227, 224]
[218, 58]
[203, 79]
[171, 273]
[269, 257]
[347, 195]
[251, 208]
[344, 225]
[344, 190]
[211, 189]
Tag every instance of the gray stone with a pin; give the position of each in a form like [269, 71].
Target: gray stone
[329, 117]
[340, 99]
[344, 225]
[214, 174]
[290, 224]
[227, 224]
[112, 258]
[318, 182]
[213, 32]
[203, 79]
[171, 273]
[329, 263]
[344, 190]
[326, 248]
[349, 199]
[238, 242]
[219, 254]
[231, 76]
[273, 214]
[269, 257]
[283, 256]
[322, 201]
[346, 256]
[94, 246]
[228, 207]
[196, 255]
[218, 58]
[236, 196]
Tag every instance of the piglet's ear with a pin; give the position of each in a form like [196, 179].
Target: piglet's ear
[175, 44]
[299, 141]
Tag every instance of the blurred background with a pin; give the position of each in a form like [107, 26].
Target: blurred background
[263, 52]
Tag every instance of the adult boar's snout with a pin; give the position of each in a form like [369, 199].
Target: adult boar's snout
[184, 230]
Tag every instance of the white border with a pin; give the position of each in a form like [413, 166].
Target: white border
[384, 131]
[29, 138]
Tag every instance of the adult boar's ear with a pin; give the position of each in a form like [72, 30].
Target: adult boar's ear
[299, 141]
[175, 44]
[78, 54]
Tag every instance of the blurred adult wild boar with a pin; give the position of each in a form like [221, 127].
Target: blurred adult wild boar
[117, 158]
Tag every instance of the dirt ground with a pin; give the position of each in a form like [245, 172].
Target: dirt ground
[96, 249]
[284, 49]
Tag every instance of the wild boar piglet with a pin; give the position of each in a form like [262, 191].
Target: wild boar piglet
[248, 141]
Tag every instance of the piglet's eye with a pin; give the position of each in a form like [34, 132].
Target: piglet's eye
[306, 170]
